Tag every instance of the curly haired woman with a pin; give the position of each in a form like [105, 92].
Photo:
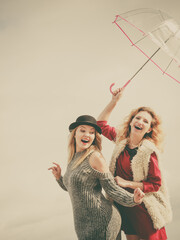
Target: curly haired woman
[136, 163]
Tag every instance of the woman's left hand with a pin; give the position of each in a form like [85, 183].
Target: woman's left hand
[138, 196]
[121, 182]
[56, 170]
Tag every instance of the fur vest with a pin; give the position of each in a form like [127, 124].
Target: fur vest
[156, 203]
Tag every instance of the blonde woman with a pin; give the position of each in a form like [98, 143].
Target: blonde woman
[136, 163]
[95, 218]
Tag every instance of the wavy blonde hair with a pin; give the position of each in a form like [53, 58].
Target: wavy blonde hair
[96, 145]
[155, 135]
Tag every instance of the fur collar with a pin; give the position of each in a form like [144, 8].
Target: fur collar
[142, 157]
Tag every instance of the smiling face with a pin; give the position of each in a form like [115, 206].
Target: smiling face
[141, 124]
[84, 137]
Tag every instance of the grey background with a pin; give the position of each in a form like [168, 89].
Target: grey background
[58, 59]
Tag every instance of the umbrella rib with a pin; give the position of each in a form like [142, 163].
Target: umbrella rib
[128, 23]
[140, 11]
[141, 39]
[149, 58]
[168, 66]
[146, 35]
[171, 60]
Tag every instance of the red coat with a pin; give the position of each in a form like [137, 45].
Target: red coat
[136, 220]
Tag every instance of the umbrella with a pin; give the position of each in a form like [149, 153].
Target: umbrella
[150, 31]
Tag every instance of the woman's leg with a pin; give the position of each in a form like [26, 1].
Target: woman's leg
[132, 237]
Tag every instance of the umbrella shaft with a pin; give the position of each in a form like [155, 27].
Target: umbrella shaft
[145, 63]
[148, 59]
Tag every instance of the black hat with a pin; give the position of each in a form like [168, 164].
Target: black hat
[85, 120]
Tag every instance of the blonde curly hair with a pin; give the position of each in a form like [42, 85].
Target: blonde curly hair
[155, 135]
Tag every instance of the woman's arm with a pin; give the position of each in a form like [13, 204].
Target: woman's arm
[115, 192]
[153, 182]
[56, 171]
[107, 131]
[128, 184]
[105, 114]
[61, 183]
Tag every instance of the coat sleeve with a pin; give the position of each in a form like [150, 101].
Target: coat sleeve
[61, 184]
[107, 131]
[153, 182]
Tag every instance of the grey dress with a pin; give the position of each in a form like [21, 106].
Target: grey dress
[95, 218]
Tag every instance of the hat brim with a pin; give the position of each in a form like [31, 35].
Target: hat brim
[76, 124]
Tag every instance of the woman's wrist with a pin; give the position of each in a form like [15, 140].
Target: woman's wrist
[112, 104]
[129, 184]
[134, 185]
[58, 178]
[114, 101]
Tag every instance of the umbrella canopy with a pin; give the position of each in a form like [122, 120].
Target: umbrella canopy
[150, 31]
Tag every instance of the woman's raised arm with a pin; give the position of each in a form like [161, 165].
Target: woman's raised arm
[104, 115]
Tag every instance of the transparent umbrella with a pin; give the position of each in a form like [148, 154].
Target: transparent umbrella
[151, 31]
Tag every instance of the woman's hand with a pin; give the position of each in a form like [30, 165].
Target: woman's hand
[56, 171]
[116, 95]
[138, 196]
[121, 182]
[105, 114]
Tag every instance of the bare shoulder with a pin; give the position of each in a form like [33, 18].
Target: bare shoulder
[98, 162]
[97, 157]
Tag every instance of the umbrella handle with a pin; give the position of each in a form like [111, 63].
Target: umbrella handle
[110, 88]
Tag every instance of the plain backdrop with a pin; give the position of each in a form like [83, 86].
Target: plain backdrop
[58, 59]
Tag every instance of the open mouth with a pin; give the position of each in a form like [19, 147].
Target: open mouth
[84, 141]
[138, 128]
